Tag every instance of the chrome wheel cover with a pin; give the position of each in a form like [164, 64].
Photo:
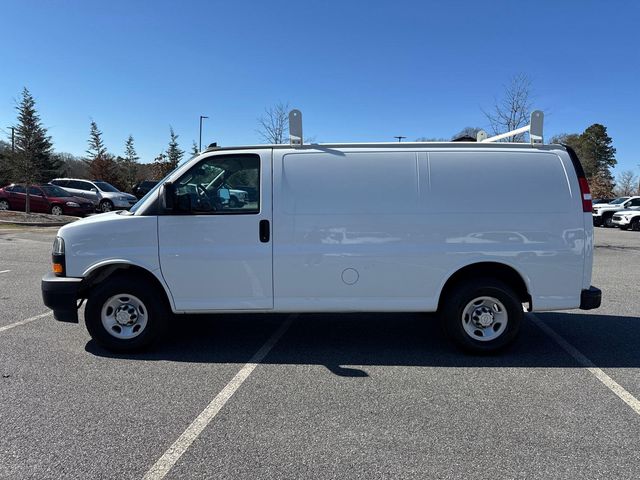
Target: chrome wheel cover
[484, 318]
[124, 316]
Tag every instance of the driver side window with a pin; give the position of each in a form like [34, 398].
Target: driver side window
[220, 184]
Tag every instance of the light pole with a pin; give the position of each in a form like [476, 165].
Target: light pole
[399, 137]
[200, 144]
[13, 139]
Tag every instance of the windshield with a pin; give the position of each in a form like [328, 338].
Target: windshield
[159, 183]
[618, 200]
[53, 191]
[105, 187]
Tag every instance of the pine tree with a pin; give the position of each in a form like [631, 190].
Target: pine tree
[5, 163]
[597, 156]
[101, 163]
[31, 162]
[194, 149]
[174, 153]
[129, 164]
[597, 153]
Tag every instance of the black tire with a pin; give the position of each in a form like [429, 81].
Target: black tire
[608, 221]
[635, 225]
[125, 287]
[461, 296]
[105, 206]
[4, 205]
[235, 203]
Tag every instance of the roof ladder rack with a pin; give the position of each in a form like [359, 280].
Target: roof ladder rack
[534, 128]
[295, 128]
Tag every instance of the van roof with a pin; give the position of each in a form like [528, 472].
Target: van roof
[489, 145]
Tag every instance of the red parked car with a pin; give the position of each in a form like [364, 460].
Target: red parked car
[45, 198]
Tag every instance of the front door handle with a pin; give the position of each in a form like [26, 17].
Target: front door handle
[264, 231]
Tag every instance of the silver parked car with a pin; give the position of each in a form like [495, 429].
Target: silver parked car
[105, 196]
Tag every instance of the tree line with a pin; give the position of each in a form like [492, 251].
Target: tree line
[593, 146]
[31, 159]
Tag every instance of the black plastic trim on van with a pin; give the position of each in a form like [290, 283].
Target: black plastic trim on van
[575, 160]
[591, 298]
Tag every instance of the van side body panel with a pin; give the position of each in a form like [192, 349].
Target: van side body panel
[364, 229]
[110, 237]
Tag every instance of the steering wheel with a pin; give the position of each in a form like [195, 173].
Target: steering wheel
[203, 202]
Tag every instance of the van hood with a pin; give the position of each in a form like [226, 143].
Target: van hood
[93, 219]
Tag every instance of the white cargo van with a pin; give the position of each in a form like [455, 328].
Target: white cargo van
[472, 230]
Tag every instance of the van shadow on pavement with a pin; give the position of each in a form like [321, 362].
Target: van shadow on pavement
[347, 343]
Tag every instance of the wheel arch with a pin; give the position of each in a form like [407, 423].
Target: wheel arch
[501, 271]
[102, 271]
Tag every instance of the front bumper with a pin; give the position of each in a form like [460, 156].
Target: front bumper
[620, 221]
[590, 298]
[123, 204]
[60, 294]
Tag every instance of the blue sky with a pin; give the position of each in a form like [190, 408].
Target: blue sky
[358, 70]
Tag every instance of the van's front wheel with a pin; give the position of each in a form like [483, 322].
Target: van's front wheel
[482, 315]
[124, 314]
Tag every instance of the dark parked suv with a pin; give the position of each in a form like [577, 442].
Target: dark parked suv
[141, 188]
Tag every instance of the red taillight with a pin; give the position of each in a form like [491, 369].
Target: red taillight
[586, 194]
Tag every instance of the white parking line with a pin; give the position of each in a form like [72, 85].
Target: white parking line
[609, 382]
[5, 271]
[23, 322]
[175, 451]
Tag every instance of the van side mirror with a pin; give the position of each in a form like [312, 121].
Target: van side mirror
[94, 190]
[169, 195]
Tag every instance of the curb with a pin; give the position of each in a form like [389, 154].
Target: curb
[34, 224]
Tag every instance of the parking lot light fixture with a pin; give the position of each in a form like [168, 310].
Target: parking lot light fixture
[200, 144]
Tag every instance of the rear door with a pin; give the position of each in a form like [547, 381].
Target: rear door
[84, 189]
[215, 255]
[633, 204]
[37, 200]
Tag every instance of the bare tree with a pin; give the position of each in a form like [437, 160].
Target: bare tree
[513, 110]
[273, 126]
[626, 184]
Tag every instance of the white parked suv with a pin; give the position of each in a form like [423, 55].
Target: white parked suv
[626, 219]
[105, 196]
[603, 212]
[339, 228]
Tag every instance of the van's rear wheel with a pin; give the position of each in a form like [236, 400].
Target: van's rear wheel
[482, 315]
[125, 314]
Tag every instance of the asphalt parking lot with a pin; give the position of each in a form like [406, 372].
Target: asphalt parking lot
[336, 396]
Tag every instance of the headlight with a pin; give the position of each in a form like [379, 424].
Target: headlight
[72, 204]
[57, 257]
[58, 246]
